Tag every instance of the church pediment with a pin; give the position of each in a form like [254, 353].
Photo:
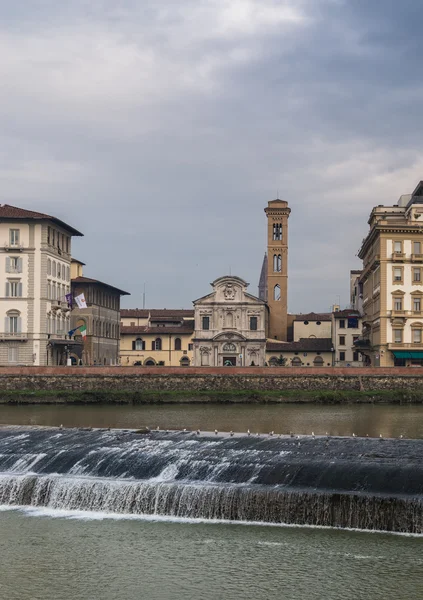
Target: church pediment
[230, 336]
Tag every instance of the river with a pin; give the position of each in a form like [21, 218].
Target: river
[46, 558]
[344, 420]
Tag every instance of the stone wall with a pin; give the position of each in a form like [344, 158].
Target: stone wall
[193, 379]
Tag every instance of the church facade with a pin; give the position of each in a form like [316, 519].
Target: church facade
[230, 326]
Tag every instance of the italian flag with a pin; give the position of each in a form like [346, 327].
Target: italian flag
[83, 331]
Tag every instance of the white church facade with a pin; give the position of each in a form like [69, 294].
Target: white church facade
[230, 326]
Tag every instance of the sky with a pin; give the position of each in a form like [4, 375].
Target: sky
[161, 129]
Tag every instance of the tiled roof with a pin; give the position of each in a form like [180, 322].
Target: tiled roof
[157, 331]
[143, 313]
[14, 212]
[303, 345]
[313, 317]
[82, 280]
[344, 314]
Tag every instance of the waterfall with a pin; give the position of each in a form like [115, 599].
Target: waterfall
[365, 484]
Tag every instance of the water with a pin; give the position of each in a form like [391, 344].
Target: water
[45, 558]
[388, 420]
[354, 483]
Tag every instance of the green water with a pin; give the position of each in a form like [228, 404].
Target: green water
[69, 559]
[388, 420]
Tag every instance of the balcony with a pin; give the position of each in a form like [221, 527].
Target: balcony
[59, 305]
[12, 247]
[398, 256]
[362, 342]
[15, 336]
[405, 346]
[417, 257]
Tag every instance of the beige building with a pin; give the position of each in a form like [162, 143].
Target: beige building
[346, 331]
[275, 290]
[35, 278]
[312, 325]
[101, 317]
[306, 352]
[392, 283]
[230, 326]
[156, 337]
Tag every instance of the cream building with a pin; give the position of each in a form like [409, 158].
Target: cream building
[230, 326]
[35, 278]
[153, 337]
[312, 325]
[306, 352]
[346, 331]
[392, 284]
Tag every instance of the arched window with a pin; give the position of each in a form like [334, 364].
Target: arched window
[13, 322]
[157, 344]
[185, 361]
[318, 361]
[150, 362]
[296, 361]
[277, 263]
[277, 292]
[178, 344]
[277, 231]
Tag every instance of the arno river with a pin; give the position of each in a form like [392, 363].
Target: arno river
[365, 419]
[72, 556]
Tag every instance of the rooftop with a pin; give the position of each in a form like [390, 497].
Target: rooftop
[344, 314]
[313, 317]
[303, 345]
[87, 280]
[13, 213]
[144, 313]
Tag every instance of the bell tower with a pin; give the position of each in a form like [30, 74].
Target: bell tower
[277, 213]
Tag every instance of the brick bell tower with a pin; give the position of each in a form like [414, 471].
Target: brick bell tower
[277, 213]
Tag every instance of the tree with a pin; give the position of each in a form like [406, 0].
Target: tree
[281, 361]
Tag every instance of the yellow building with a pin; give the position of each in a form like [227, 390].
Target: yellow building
[156, 337]
[392, 284]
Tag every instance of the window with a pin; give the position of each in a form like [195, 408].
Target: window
[417, 305]
[277, 231]
[13, 264]
[53, 269]
[356, 356]
[342, 340]
[417, 274]
[417, 248]
[13, 324]
[178, 344]
[253, 323]
[190, 346]
[13, 289]
[397, 303]
[13, 354]
[342, 356]
[398, 247]
[341, 323]
[397, 274]
[277, 292]
[14, 237]
[397, 336]
[206, 323]
[277, 263]
[139, 344]
[157, 344]
[417, 336]
[59, 270]
[355, 338]
[48, 235]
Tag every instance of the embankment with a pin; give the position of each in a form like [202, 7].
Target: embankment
[201, 385]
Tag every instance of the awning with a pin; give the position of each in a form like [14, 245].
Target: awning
[408, 354]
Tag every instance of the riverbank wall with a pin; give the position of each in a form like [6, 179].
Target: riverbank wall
[202, 385]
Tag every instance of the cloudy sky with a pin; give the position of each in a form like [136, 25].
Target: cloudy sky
[161, 129]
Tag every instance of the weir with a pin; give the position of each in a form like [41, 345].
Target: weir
[338, 482]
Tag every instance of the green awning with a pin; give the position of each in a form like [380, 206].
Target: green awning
[408, 354]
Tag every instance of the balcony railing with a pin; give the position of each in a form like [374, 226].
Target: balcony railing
[405, 346]
[13, 335]
[12, 247]
[400, 256]
[417, 257]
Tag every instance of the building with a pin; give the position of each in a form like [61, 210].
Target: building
[35, 277]
[392, 282]
[275, 291]
[356, 291]
[230, 326]
[101, 318]
[312, 325]
[157, 337]
[346, 330]
[306, 352]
